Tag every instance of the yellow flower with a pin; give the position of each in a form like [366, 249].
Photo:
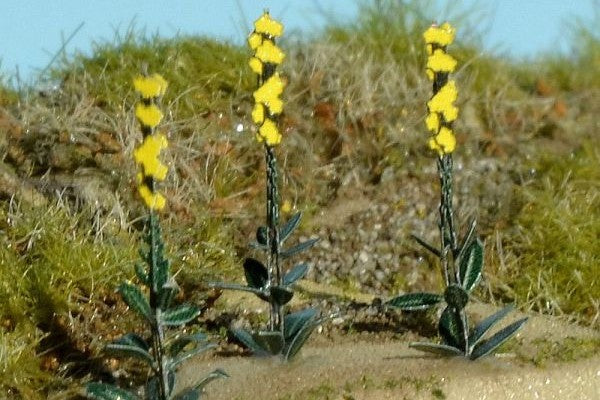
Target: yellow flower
[258, 113]
[442, 102]
[444, 142]
[154, 201]
[148, 115]
[433, 122]
[430, 74]
[269, 133]
[439, 61]
[269, 93]
[147, 156]
[265, 24]
[268, 52]
[150, 86]
[256, 65]
[442, 35]
[254, 40]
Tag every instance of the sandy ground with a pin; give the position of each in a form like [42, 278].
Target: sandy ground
[348, 369]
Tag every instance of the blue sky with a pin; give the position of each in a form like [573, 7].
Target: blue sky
[33, 30]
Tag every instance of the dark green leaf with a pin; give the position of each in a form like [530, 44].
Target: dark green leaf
[297, 272]
[289, 227]
[135, 299]
[180, 315]
[247, 339]
[167, 293]
[179, 343]
[256, 273]
[152, 389]
[427, 245]
[486, 324]
[131, 345]
[295, 321]
[270, 341]
[435, 348]
[415, 301]
[189, 354]
[262, 236]
[450, 328]
[161, 274]
[232, 286]
[196, 391]
[471, 264]
[488, 346]
[467, 239]
[299, 248]
[281, 295]
[140, 272]
[102, 391]
[456, 296]
[302, 335]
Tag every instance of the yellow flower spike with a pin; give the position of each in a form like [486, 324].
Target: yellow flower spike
[148, 115]
[440, 35]
[269, 132]
[268, 52]
[436, 147]
[446, 140]
[270, 90]
[429, 49]
[433, 122]
[147, 156]
[150, 86]
[256, 65]
[255, 40]
[443, 101]
[268, 26]
[430, 74]
[439, 61]
[258, 113]
[154, 201]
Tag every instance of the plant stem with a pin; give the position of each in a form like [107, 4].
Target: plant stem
[156, 326]
[273, 267]
[447, 229]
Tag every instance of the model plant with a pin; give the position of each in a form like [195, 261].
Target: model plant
[461, 261]
[163, 353]
[286, 333]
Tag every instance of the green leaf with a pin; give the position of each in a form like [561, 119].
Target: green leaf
[488, 346]
[271, 341]
[440, 349]
[179, 343]
[456, 296]
[135, 299]
[429, 247]
[295, 321]
[153, 388]
[299, 248]
[247, 339]
[300, 338]
[102, 391]
[471, 265]
[256, 273]
[289, 227]
[232, 286]
[180, 315]
[486, 324]
[167, 293]
[262, 236]
[450, 328]
[161, 274]
[131, 345]
[415, 301]
[187, 355]
[297, 272]
[140, 272]
[281, 295]
[196, 391]
[467, 239]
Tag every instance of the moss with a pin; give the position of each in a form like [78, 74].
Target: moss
[558, 226]
[568, 349]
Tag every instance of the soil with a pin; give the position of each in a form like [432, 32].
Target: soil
[548, 359]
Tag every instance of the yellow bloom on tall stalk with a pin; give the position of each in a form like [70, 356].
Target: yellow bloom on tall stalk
[267, 55]
[150, 88]
[441, 109]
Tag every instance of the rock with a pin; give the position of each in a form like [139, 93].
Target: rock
[13, 185]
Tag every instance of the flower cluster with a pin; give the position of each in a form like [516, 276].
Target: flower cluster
[150, 88]
[267, 102]
[441, 108]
